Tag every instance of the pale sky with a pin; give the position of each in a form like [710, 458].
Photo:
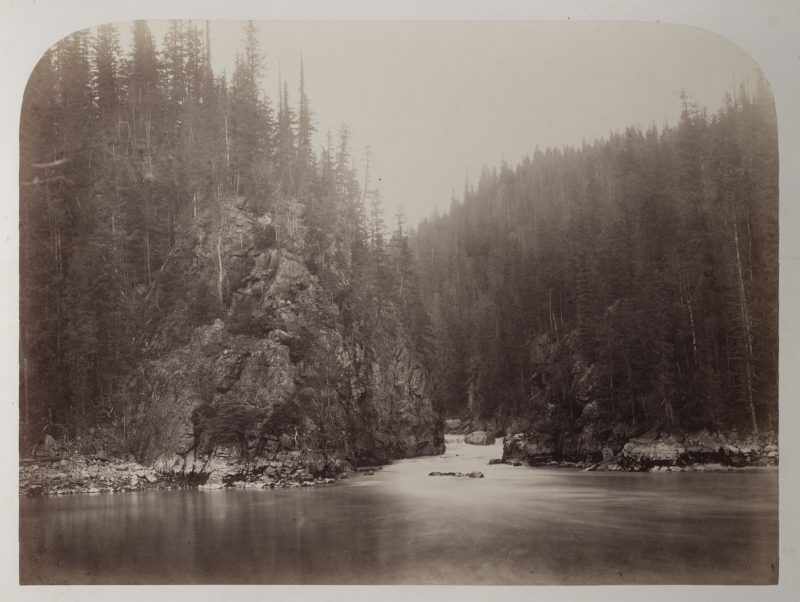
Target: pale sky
[437, 101]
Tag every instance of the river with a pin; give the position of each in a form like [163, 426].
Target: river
[518, 525]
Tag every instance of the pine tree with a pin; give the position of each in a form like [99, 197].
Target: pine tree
[249, 127]
[305, 167]
[285, 153]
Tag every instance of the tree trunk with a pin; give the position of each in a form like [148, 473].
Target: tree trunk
[219, 260]
[748, 340]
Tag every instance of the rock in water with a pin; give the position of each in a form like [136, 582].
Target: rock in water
[473, 475]
[528, 448]
[452, 425]
[479, 438]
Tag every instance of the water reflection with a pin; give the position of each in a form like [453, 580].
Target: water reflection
[516, 526]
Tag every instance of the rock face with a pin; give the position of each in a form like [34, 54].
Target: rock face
[480, 438]
[278, 374]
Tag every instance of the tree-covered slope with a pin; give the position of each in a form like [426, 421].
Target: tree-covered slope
[195, 276]
[629, 283]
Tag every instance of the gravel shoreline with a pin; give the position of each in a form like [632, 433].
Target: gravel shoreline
[92, 474]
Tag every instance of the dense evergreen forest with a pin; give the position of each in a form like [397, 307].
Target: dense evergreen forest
[128, 160]
[631, 282]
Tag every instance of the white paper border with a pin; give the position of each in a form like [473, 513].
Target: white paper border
[767, 29]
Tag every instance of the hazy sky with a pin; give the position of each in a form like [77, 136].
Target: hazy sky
[437, 101]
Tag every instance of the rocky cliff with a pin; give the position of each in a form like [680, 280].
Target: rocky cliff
[276, 373]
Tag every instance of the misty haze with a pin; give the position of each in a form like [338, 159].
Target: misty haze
[398, 303]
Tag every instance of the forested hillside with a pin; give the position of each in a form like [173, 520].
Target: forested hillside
[628, 283]
[180, 234]
[178, 227]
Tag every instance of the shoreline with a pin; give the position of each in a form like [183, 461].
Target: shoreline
[83, 474]
[89, 475]
[588, 467]
[654, 451]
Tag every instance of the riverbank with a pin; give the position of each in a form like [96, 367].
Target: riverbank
[669, 452]
[100, 473]
[77, 473]
[58, 475]
[615, 467]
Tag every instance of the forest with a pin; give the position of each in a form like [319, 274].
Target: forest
[631, 282]
[128, 163]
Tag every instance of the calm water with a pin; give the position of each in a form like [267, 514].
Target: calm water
[516, 526]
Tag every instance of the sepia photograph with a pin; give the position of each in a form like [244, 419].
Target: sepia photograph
[398, 302]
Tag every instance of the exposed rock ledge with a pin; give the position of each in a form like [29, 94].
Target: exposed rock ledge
[670, 450]
[664, 452]
[83, 474]
[100, 474]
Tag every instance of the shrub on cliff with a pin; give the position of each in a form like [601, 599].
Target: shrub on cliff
[239, 425]
[243, 426]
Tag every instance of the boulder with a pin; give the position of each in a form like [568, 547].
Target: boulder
[35, 490]
[479, 438]
[644, 454]
[214, 481]
[452, 425]
[518, 424]
[475, 475]
[532, 448]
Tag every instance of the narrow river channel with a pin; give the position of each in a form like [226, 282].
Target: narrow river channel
[518, 525]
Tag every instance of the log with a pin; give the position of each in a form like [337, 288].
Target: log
[594, 467]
